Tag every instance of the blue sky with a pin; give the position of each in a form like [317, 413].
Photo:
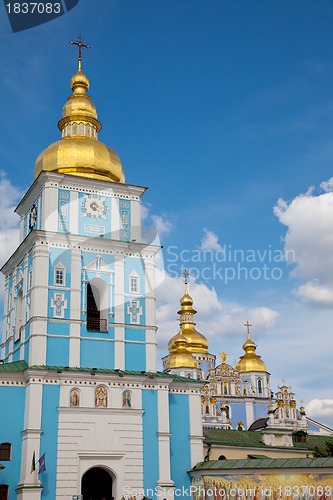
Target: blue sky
[222, 108]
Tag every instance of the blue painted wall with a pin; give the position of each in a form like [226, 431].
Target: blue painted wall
[238, 413]
[49, 438]
[57, 351]
[150, 441]
[12, 400]
[97, 354]
[135, 356]
[179, 441]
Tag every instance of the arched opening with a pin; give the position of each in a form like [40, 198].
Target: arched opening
[96, 484]
[97, 306]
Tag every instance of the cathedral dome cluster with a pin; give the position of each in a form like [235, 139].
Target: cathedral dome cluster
[79, 152]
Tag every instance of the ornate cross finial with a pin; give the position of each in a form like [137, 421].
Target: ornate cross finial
[79, 42]
[186, 273]
[223, 356]
[247, 324]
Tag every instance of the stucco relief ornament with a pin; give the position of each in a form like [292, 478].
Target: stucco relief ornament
[94, 206]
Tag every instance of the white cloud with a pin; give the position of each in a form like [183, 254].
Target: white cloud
[327, 186]
[155, 226]
[9, 221]
[162, 225]
[318, 295]
[320, 410]
[309, 243]
[210, 241]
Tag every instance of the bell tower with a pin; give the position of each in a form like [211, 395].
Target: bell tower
[79, 289]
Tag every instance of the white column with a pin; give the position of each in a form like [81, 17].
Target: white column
[163, 434]
[75, 313]
[50, 209]
[39, 306]
[115, 219]
[150, 302]
[29, 487]
[119, 313]
[249, 413]
[74, 212]
[135, 220]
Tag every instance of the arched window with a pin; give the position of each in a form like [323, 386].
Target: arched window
[134, 283]
[259, 386]
[60, 274]
[81, 128]
[97, 306]
[74, 397]
[227, 411]
[101, 397]
[221, 457]
[74, 128]
[127, 399]
[4, 491]
[5, 451]
[19, 315]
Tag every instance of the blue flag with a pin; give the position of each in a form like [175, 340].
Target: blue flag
[42, 466]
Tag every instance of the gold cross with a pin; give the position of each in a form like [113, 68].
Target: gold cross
[79, 42]
[186, 273]
[247, 324]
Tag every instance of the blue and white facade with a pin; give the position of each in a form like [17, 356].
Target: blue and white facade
[78, 380]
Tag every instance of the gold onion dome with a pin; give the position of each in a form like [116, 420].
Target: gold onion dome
[196, 342]
[181, 356]
[250, 361]
[79, 152]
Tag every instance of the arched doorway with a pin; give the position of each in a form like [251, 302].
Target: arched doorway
[96, 484]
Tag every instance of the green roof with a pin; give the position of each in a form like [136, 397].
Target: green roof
[233, 438]
[265, 463]
[16, 366]
[20, 366]
[252, 439]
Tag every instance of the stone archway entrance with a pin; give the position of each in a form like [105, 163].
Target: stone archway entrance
[96, 484]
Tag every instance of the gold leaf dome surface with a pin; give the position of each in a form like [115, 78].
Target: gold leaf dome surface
[79, 152]
[181, 356]
[250, 361]
[196, 342]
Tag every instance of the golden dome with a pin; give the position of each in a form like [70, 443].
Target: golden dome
[250, 361]
[180, 356]
[196, 342]
[79, 152]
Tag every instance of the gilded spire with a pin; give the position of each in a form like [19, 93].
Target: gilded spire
[250, 361]
[197, 342]
[79, 152]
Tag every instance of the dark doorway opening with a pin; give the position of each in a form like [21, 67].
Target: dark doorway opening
[96, 485]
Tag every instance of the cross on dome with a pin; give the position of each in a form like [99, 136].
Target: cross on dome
[79, 42]
[185, 273]
[247, 324]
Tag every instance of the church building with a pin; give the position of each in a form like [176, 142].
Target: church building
[83, 409]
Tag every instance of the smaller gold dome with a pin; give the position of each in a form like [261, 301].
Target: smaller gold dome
[196, 342]
[250, 361]
[181, 357]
